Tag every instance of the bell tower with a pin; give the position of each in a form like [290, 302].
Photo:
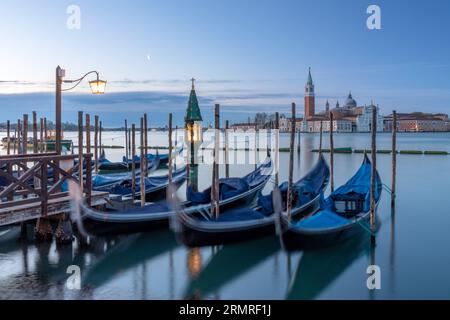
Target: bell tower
[310, 99]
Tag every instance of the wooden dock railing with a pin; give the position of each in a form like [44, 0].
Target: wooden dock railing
[33, 178]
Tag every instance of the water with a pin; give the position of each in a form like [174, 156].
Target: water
[412, 245]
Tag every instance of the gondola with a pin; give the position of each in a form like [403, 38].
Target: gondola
[249, 223]
[155, 187]
[163, 158]
[157, 215]
[107, 167]
[106, 181]
[340, 216]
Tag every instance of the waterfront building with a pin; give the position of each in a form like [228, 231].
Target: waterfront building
[418, 122]
[245, 126]
[310, 98]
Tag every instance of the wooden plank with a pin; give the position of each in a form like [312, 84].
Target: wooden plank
[44, 193]
[55, 206]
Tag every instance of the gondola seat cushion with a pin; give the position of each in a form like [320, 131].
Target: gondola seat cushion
[240, 215]
[322, 220]
[228, 188]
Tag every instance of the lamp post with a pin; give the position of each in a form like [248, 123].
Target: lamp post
[97, 87]
[193, 135]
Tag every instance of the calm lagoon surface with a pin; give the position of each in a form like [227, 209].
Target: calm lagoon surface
[411, 246]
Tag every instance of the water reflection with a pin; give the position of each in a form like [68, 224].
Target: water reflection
[154, 266]
[318, 268]
[128, 253]
[392, 251]
[228, 263]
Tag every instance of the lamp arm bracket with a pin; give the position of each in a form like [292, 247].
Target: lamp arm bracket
[82, 78]
[78, 81]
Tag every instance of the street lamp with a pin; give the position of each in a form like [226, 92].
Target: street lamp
[97, 87]
[193, 135]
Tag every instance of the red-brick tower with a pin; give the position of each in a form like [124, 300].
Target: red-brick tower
[310, 99]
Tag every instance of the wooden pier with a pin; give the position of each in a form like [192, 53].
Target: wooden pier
[36, 186]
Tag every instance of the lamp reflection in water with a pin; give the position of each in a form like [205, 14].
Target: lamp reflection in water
[194, 262]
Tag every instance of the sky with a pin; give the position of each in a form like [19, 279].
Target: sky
[246, 55]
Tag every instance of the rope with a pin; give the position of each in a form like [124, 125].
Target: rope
[385, 187]
[366, 227]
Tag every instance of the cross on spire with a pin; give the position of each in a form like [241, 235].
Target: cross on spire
[193, 80]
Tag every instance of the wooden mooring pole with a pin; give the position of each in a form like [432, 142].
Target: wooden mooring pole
[169, 189]
[320, 139]
[96, 143]
[291, 164]
[133, 159]
[15, 140]
[227, 150]
[19, 136]
[100, 143]
[142, 164]
[394, 157]
[126, 140]
[256, 145]
[146, 145]
[215, 185]
[45, 134]
[41, 135]
[88, 133]
[277, 148]
[374, 170]
[331, 153]
[129, 142]
[8, 137]
[80, 149]
[35, 135]
[25, 134]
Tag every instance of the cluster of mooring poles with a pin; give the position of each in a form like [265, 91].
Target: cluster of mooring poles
[373, 151]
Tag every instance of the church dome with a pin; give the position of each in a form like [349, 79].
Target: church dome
[350, 102]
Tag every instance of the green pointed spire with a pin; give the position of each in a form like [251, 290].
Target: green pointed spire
[193, 110]
[310, 81]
